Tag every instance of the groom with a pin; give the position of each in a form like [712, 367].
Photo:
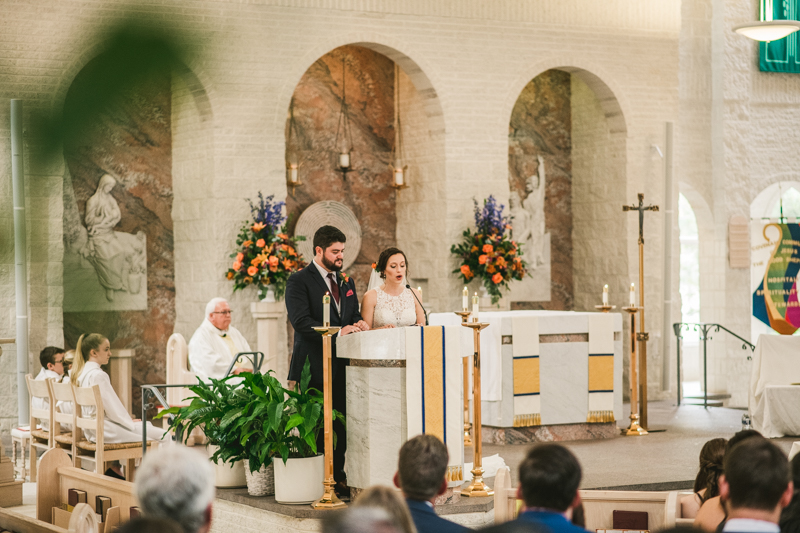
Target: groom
[304, 292]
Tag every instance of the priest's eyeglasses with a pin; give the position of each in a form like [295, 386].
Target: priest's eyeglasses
[228, 312]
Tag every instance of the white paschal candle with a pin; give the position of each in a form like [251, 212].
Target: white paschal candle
[633, 295]
[465, 300]
[605, 294]
[344, 160]
[326, 310]
[475, 307]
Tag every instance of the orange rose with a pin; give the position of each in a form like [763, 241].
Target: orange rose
[230, 275]
[239, 257]
[488, 248]
[490, 269]
[497, 278]
[237, 265]
[273, 261]
[466, 271]
[258, 226]
[252, 271]
[482, 259]
[260, 243]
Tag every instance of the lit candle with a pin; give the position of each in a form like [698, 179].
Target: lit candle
[326, 310]
[633, 295]
[605, 294]
[398, 176]
[293, 174]
[475, 307]
[419, 289]
[465, 300]
[344, 160]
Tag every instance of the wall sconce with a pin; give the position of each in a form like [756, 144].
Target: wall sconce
[292, 163]
[399, 171]
[344, 143]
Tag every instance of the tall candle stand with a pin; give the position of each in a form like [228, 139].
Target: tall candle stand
[477, 488]
[466, 362]
[635, 429]
[329, 499]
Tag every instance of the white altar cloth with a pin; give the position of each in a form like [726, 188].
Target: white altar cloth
[774, 400]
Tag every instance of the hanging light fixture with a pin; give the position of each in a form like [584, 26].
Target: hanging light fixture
[344, 140]
[292, 156]
[767, 29]
[399, 171]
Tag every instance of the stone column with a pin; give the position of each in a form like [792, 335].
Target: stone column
[271, 326]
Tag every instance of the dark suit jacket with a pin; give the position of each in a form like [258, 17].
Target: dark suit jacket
[304, 292]
[427, 521]
[553, 521]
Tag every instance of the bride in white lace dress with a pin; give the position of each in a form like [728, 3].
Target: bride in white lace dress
[392, 304]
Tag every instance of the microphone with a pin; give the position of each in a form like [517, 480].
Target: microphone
[420, 303]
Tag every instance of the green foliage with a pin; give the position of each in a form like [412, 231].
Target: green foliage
[254, 418]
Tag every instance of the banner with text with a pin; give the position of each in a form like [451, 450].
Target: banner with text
[773, 274]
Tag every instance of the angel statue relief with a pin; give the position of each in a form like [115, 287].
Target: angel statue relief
[528, 218]
[118, 258]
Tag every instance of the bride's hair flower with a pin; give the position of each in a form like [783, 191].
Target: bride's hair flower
[374, 266]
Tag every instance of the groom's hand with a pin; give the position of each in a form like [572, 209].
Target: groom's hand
[349, 329]
[363, 326]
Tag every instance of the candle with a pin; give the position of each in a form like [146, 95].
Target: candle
[475, 307]
[293, 174]
[398, 176]
[633, 295]
[605, 294]
[419, 289]
[344, 160]
[465, 300]
[326, 310]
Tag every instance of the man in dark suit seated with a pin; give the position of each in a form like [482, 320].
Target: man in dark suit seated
[756, 484]
[549, 478]
[421, 476]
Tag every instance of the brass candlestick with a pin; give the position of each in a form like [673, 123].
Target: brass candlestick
[465, 363]
[605, 307]
[329, 499]
[477, 487]
[635, 429]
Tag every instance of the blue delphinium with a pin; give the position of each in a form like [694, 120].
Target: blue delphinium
[490, 219]
[268, 212]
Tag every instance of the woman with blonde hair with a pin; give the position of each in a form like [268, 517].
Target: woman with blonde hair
[391, 501]
[92, 351]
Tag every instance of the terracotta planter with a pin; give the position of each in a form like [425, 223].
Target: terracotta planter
[299, 481]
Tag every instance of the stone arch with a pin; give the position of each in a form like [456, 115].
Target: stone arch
[706, 235]
[771, 190]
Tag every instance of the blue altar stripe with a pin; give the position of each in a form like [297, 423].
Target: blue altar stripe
[422, 369]
[444, 385]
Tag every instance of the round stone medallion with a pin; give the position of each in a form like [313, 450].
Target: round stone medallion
[329, 213]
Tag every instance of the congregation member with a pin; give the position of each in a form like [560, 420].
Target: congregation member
[92, 351]
[790, 516]
[360, 520]
[52, 360]
[549, 478]
[712, 513]
[389, 500]
[177, 483]
[215, 344]
[149, 525]
[706, 483]
[304, 293]
[421, 470]
[756, 485]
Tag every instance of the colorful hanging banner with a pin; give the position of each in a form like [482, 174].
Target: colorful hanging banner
[782, 55]
[773, 274]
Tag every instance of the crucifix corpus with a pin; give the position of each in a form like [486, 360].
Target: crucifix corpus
[642, 336]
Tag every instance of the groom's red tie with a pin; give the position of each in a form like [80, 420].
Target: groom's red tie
[334, 287]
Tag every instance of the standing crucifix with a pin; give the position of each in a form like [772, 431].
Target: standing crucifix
[642, 336]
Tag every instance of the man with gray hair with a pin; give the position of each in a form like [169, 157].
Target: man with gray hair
[177, 483]
[215, 343]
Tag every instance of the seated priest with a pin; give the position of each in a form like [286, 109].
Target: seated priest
[52, 360]
[215, 343]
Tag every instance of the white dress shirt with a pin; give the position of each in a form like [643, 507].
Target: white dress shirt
[324, 273]
[749, 525]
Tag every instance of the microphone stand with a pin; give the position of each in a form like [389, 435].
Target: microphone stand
[420, 303]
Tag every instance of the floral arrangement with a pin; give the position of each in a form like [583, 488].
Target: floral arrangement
[488, 253]
[266, 255]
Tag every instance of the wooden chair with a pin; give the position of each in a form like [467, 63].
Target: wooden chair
[178, 372]
[40, 439]
[62, 392]
[99, 452]
[506, 505]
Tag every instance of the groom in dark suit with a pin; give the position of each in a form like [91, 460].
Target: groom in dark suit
[304, 292]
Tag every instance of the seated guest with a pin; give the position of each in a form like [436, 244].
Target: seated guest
[549, 478]
[712, 513]
[790, 516]
[360, 520]
[757, 485]
[92, 351]
[177, 483]
[705, 484]
[52, 361]
[421, 471]
[389, 500]
[215, 343]
[149, 525]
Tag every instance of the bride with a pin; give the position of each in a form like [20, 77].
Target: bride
[390, 304]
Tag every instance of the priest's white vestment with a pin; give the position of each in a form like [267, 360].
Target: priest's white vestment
[210, 353]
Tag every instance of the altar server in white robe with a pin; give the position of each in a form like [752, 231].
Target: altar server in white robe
[92, 351]
[215, 343]
[52, 360]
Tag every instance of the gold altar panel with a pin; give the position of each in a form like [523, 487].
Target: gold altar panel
[526, 375]
[601, 373]
[433, 363]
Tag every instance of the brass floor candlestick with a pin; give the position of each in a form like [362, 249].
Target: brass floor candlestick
[329, 499]
[477, 487]
[465, 363]
[635, 428]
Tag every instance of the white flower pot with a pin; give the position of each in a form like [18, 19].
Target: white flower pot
[299, 480]
[270, 296]
[228, 475]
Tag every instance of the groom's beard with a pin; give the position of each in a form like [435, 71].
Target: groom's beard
[333, 266]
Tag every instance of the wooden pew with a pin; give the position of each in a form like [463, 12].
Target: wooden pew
[23, 524]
